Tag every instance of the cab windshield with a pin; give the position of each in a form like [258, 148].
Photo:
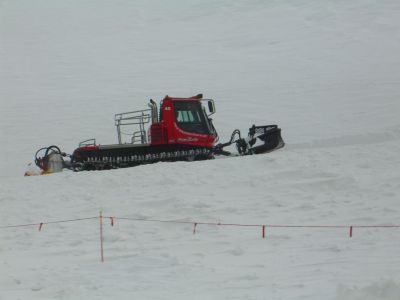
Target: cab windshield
[190, 117]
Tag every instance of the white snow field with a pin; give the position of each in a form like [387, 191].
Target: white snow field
[327, 72]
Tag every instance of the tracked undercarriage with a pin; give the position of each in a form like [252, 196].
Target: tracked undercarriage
[117, 157]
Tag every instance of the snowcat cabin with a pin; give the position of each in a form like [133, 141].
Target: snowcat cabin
[184, 121]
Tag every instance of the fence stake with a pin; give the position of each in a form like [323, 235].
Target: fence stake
[101, 237]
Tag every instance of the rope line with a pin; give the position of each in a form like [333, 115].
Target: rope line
[249, 225]
[195, 225]
[40, 224]
[114, 219]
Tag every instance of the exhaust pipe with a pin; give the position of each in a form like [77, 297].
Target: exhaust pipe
[154, 111]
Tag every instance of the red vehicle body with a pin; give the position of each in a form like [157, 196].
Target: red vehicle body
[183, 122]
[180, 130]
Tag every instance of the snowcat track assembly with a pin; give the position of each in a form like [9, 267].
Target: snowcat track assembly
[122, 157]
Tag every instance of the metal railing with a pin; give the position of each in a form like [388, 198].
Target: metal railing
[137, 121]
[89, 142]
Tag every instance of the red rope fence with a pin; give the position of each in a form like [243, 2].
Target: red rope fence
[40, 224]
[263, 227]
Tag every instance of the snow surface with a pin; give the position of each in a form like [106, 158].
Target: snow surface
[328, 72]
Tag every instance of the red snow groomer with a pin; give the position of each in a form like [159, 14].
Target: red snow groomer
[180, 130]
